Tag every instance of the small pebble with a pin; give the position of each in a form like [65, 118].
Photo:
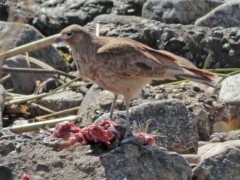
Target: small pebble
[119, 102]
[196, 89]
[175, 90]
[159, 96]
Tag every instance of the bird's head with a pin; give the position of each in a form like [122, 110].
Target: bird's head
[73, 35]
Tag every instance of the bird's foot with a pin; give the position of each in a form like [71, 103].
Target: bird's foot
[132, 140]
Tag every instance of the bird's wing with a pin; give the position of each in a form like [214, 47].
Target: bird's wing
[127, 58]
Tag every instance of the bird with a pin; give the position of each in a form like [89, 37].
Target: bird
[124, 66]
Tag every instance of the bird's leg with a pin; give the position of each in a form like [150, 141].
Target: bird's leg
[128, 125]
[113, 106]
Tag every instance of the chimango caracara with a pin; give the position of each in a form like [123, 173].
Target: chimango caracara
[124, 66]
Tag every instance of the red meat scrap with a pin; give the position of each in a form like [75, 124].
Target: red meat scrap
[145, 138]
[103, 132]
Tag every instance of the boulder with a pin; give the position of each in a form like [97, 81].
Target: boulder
[169, 119]
[229, 92]
[177, 11]
[226, 15]
[95, 103]
[17, 34]
[21, 82]
[219, 161]
[125, 162]
[128, 162]
[63, 100]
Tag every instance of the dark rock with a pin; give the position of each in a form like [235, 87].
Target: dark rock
[6, 147]
[16, 34]
[200, 115]
[21, 82]
[62, 100]
[4, 10]
[219, 162]
[177, 11]
[6, 173]
[168, 118]
[128, 162]
[225, 15]
[50, 84]
[95, 103]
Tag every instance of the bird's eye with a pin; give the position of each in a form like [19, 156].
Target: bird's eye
[69, 34]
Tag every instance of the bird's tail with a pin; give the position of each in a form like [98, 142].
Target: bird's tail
[199, 75]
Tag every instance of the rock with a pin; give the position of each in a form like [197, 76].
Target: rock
[129, 7]
[128, 162]
[191, 42]
[225, 15]
[16, 34]
[168, 118]
[6, 147]
[95, 103]
[6, 173]
[61, 101]
[228, 95]
[229, 92]
[49, 17]
[225, 136]
[2, 103]
[3, 11]
[21, 82]
[200, 115]
[177, 11]
[49, 84]
[220, 162]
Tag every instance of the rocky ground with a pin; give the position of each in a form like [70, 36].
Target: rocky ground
[196, 127]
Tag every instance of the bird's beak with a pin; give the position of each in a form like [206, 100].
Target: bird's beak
[58, 39]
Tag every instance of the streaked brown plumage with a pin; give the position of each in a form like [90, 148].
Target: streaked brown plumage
[123, 66]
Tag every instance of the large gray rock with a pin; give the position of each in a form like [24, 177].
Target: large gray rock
[20, 82]
[95, 103]
[17, 34]
[192, 42]
[62, 100]
[125, 162]
[219, 161]
[177, 11]
[225, 15]
[128, 162]
[168, 118]
[229, 92]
